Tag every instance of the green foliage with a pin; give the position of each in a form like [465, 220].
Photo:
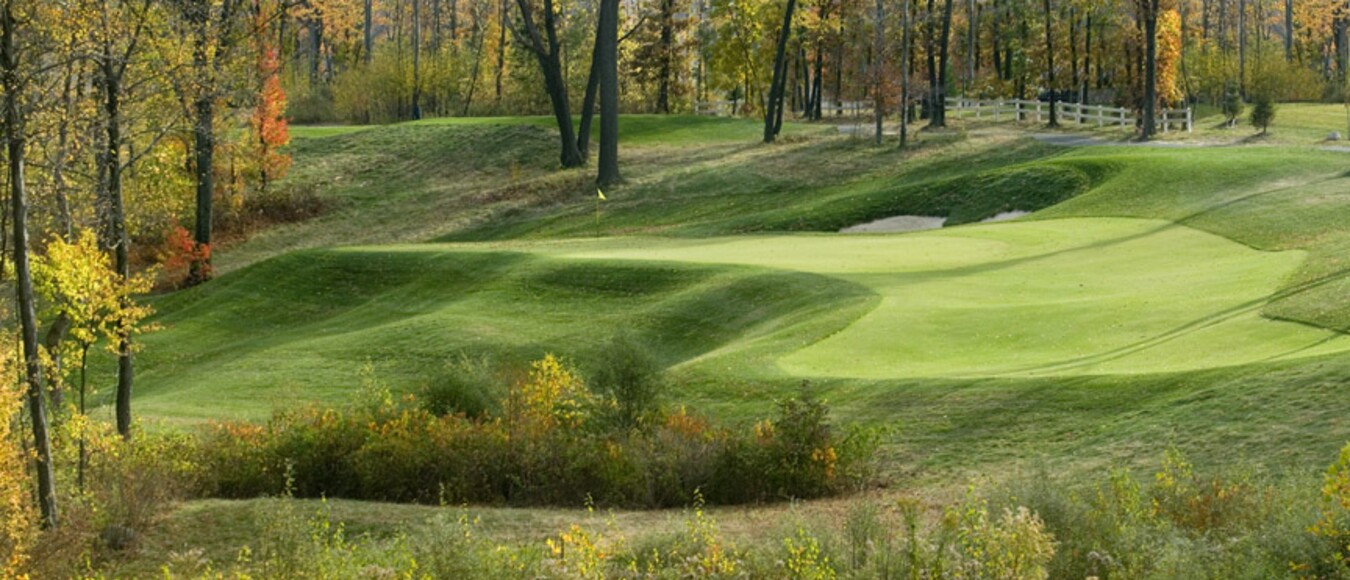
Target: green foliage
[467, 386]
[629, 375]
[1232, 103]
[1263, 111]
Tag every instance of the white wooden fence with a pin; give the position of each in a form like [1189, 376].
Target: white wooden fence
[1100, 115]
[1000, 110]
[827, 108]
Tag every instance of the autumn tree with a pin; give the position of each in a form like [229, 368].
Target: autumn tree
[20, 46]
[76, 279]
[270, 128]
[118, 30]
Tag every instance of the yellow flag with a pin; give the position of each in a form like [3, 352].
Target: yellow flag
[600, 194]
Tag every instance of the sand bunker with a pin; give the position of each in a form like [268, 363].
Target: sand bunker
[1005, 216]
[900, 223]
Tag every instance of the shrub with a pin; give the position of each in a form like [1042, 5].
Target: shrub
[540, 448]
[467, 386]
[1263, 111]
[629, 376]
[1232, 103]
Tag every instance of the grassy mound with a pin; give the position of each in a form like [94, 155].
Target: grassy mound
[302, 326]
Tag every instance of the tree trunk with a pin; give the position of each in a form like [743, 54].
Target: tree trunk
[204, 167]
[15, 144]
[1050, 62]
[547, 52]
[1087, 60]
[477, 62]
[417, 59]
[971, 46]
[117, 240]
[1289, 30]
[904, 73]
[609, 92]
[939, 116]
[878, 62]
[779, 73]
[839, 70]
[1150, 67]
[667, 48]
[502, 16]
[588, 99]
[930, 50]
[368, 27]
[1242, 45]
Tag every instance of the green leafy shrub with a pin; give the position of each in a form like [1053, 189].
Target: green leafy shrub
[468, 386]
[1232, 103]
[629, 376]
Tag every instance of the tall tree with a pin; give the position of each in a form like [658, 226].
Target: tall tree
[14, 22]
[906, 47]
[417, 59]
[215, 28]
[1150, 104]
[878, 65]
[548, 52]
[117, 38]
[772, 113]
[1050, 63]
[368, 30]
[608, 57]
[938, 118]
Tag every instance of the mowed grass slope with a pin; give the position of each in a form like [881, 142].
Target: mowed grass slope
[1161, 295]
[302, 327]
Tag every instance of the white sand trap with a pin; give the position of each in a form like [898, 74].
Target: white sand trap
[1005, 216]
[900, 223]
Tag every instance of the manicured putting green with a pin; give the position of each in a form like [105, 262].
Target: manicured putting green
[1055, 297]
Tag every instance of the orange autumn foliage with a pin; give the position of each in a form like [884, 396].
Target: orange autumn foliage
[269, 120]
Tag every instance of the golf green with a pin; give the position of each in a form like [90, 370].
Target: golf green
[1053, 297]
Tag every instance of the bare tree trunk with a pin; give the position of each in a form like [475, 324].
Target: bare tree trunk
[971, 46]
[667, 47]
[547, 52]
[878, 63]
[1050, 63]
[477, 62]
[1150, 67]
[1289, 30]
[776, 87]
[939, 117]
[1087, 60]
[368, 28]
[609, 92]
[1242, 45]
[588, 99]
[502, 15]
[417, 59]
[15, 143]
[904, 74]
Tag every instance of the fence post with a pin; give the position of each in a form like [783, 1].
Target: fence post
[1189, 120]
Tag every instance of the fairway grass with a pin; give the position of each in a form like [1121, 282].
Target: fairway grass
[1063, 297]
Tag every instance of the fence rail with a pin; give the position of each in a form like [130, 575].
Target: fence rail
[1100, 115]
[1000, 110]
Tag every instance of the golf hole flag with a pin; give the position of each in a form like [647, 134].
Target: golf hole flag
[599, 194]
